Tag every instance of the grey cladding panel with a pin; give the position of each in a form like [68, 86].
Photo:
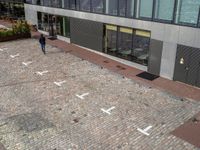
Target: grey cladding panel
[87, 33]
[155, 55]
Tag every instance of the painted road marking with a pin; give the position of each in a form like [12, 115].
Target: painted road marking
[2, 49]
[13, 56]
[82, 96]
[144, 131]
[27, 63]
[42, 73]
[59, 83]
[108, 111]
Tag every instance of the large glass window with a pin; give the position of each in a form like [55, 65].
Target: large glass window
[46, 2]
[56, 3]
[141, 40]
[97, 6]
[85, 5]
[43, 21]
[130, 8]
[145, 8]
[65, 3]
[125, 42]
[188, 11]
[111, 40]
[55, 25]
[73, 4]
[62, 26]
[164, 9]
[112, 7]
[122, 7]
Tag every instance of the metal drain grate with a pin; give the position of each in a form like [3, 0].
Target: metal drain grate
[105, 61]
[120, 67]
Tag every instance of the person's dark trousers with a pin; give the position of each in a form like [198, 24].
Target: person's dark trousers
[43, 48]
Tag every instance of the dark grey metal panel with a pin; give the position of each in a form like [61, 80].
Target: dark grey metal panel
[182, 62]
[87, 33]
[198, 77]
[187, 67]
[194, 65]
[155, 55]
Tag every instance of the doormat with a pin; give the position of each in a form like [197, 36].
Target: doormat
[52, 38]
[147, 76]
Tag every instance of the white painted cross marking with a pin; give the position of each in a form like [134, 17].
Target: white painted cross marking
[144, 131]
[27, 63]
[108, 110]
[82, 96]
[13, 56]
[41, 73]
[2, 49]
[59, 83]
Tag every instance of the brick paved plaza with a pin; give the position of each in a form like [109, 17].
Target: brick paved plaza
[60, 102]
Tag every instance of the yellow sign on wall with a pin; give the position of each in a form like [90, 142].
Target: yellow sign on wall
[143, 33]
[111, 27]
[126, 30]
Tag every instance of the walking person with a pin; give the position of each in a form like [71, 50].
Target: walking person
[42, 43]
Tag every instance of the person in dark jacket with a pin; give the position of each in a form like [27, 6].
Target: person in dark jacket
[42, 43]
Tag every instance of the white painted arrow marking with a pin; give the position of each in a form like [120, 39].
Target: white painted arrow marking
[108, 111]
[27, 63]
[13, 56]
[42, 73]
[59, 83]
[82, 96]
[144, 131]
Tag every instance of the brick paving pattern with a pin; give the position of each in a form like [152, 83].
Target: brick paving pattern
[36, 114]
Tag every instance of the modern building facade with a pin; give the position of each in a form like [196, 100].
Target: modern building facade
[158, 36]
[12, 8]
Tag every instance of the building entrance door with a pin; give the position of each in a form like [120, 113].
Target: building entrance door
[187, 67]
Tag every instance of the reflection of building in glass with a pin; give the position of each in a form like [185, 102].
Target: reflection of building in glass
[152, 35]
[12, 8]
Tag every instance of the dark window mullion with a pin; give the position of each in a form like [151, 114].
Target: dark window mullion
[126, 8]
[91, 6]
[117, 36]
[118, 11]
[104, 6]
[198, 21]
[175, 10]
[153, 10]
